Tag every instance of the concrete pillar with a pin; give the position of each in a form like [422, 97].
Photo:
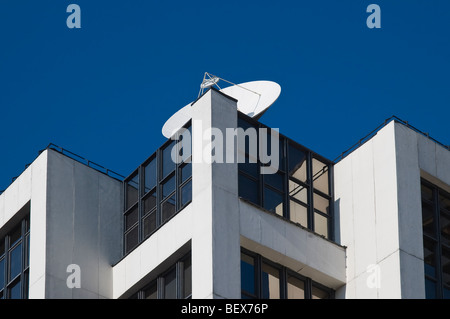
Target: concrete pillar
[215, 239]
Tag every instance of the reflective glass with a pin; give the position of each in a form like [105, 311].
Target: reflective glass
[270, 282]
[168, 165]
[186, 172]
[321, 225]
[275, 180]
[131, 239]
[248, 189]
[445, 228]
[298, 191]
[131, 218]
[429, 253]
[151, 292]
[187, 277]
[170, 287]
[444, 202]
[15, 261]
[321, 203]
[2, 274]
[150, 175]
[14, 291]
[297, 163]
[295, 288]
[15, 235]
[168, 208]
[273, 201]
[186, 193]
[150, 202]
[427, 192]
[168, 187]
[317, 293]
[445, 263]
[149, 223]
[320, 176]
[430, 289]
[247, 274]
[428, 219]
[132, 191]
[298, 213]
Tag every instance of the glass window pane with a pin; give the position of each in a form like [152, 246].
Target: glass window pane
[270, 282]
[247, 140]
[151, 292]
[318, 293]
[429, 253]
[150, 175]
[186, 172]
[131, 239]
[298, 213]
[2, 274]
[167, 162]
[321, 203]
[298, 191]
[445, 261]
[251, 169]
[187, 278]
[428, 219]
[131, 218]
[186, 194]
[445, 228]
[185, 143]
[149, 202]
[2, 246]
[14, 291]
[275, 180]
[297, 163]
[132, 191]
[273, 201]
[295, 288]
[15, 261]
[168, 187]
[247, 274]
[15, 235]
[444, 202]
[168, 208]
[320, 176]
[430, 289]
[149, 223]
[27, 250]
[170, 287]
[27, 223]
[249, 189]
[446, 293]
[321, 225]
[427, 192]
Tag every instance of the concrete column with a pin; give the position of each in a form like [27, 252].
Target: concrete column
[215, 239]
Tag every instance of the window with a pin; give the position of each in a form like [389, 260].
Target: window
[14, 261]
[436, 240]
[174, 283]
[264, 279]
[155, 192]
[301, 189]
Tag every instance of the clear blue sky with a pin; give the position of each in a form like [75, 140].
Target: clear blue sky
[105, 90]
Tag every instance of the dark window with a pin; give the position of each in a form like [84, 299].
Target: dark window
[436, 240]
[171, 284]
[300, 190]
[150, 175]
[14, 265]
[168, 165]
[264, 279]
[248, 276]
[187, 276]
[156, 191]
[132, 190]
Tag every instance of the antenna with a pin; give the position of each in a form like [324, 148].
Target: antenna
[253, 99]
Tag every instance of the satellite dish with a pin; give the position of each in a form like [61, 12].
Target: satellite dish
[253, 99]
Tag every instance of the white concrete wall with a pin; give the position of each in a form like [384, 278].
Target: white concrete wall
[378, 201]
[84, 218]
[31, 185]
[138, 264]
[215, 239]
[292, 246]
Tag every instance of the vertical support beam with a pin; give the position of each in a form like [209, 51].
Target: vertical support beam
[215, 240]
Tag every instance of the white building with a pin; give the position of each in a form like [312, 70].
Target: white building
[357, 228]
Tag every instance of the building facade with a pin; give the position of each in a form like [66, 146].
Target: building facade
[372, 225]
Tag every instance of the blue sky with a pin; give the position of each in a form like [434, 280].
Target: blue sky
[105, 90]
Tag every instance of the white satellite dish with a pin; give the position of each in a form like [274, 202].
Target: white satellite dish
[253, 99]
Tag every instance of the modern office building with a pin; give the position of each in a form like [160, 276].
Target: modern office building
[373, 224]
